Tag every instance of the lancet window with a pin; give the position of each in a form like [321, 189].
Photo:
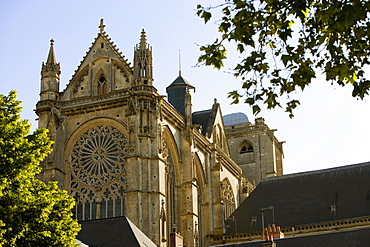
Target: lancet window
[102, 85]
[97, 163]
[227, 196]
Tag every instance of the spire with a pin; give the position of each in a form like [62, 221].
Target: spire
[51, 57]
[143, 39]
[179, 63]
[50, 72]
[51, 64]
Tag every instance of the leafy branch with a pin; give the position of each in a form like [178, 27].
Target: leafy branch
[284, 44]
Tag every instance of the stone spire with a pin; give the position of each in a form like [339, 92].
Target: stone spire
[51, 57]
[142, 39]
[51, 64]
[50, 72]
[143, 68]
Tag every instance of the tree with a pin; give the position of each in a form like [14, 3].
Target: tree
[32, 213]
[283, 44]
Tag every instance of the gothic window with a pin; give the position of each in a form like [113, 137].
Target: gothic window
[245, 147]
[171, 204]
[171, 200]
[97, 163]
[227, 197]
[102, 85]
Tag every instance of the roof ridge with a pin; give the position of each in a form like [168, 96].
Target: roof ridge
[308, 173]
[202, 111]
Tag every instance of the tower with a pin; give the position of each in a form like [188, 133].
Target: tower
[49, 113]
[177, 92]
[254, 147]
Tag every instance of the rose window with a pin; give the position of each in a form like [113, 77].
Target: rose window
[98, 156]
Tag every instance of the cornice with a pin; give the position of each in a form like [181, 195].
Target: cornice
[296, 231]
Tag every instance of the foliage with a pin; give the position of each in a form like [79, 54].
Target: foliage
[32, 213]
[283, 44]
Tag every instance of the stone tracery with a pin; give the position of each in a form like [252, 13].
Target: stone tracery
[98, 155]
[98, 177]
[227, 196]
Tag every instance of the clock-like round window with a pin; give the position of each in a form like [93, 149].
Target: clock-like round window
[98, 155]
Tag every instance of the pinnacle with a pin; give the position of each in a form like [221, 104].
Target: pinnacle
[143, 40]
[51, 64]
[51, 56]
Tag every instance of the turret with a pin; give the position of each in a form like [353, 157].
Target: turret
[179, 94]
[50, 72]
[143, 68]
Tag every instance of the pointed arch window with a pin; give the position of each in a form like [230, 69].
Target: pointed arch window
[227, 196]
[102, 85]
[246, 147]
[142, 69]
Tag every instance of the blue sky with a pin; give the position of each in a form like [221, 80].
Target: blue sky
[330, 128]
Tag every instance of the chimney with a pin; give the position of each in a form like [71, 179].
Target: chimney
[176, 240]
[270, 233]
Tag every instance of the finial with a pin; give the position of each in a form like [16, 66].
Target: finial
[215, 101]
[143, 39]
[101, 26]
[179, 62]
[52, 42]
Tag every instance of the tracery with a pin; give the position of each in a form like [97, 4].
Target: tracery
[97, 172]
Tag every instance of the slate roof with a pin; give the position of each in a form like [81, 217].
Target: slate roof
[307, 198]
[202, 118]
[352, 238]
[180, 81]
[112, 232]
[206, 119]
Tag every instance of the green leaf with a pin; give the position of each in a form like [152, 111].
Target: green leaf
[206, 16]
[330, 37]
[256, 109]
[32, 213]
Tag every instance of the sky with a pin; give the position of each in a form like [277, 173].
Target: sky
[329, 129]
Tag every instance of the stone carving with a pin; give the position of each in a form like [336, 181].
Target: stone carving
[98, 155]
[56, 113]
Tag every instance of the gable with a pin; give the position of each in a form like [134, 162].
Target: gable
[103, 70]
[211, 122]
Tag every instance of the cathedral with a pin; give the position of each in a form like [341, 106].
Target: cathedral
[132, 157]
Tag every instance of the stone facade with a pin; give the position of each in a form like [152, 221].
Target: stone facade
[255, 149]
[121, 149]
